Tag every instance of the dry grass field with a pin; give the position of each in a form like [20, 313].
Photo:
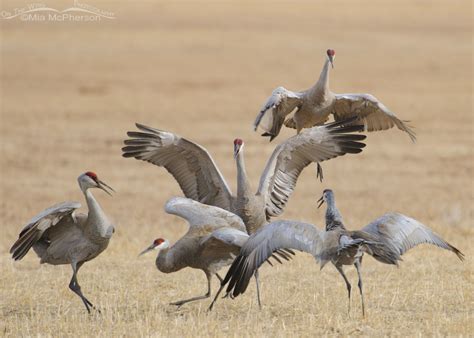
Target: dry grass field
[70, 91]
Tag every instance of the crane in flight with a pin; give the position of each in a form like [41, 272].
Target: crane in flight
[314, 105]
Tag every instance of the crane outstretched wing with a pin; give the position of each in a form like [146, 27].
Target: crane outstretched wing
[370, 111]
[288, 160]
[36, 227]
[273, 113]
[189, 163]
[404, 233]
[264, 243]
[199, 215]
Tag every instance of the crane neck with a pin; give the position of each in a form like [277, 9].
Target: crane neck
[165, 262]
[243, 184]
[323, 81]
[96, 218]
[333, 216]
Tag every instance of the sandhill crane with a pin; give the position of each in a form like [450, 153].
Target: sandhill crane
[314, 105]
[213, 241]
[385, 239]
[60, 236]
[200, 179]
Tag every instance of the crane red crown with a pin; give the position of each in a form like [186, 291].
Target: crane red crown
[331, 52]
[158, 241]
[238, 141]
[92, 175]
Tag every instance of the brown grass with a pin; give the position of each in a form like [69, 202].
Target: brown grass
[70, 91]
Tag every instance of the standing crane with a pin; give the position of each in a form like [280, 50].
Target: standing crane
[314, 105]
[60, 236]
[385, 239]
[200, 179]
[213, 240]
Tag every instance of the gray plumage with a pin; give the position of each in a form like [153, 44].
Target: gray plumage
[386, 239]
[190, 164]
[314, 105]
[31, 234]
[213, 240]
[200, 179]
[59, 236]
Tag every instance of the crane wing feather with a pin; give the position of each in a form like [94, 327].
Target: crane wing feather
[222, 245]
[228, 236]
[369, 110]
[273, 113]
[202, 215]
[288, 160]
[39, 224]
[190, 164]
[404, 233]
[267, 240]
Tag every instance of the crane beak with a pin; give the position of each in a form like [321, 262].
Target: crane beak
[150, 248]
[320, 202]
[102, 185]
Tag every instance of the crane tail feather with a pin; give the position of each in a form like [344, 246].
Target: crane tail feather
[24, 243]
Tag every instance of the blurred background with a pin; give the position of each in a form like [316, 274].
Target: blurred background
[71, 90]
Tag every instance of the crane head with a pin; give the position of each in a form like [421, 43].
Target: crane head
[159, 243]
[326, 195]
[90, 180]
[331, 55]
[238, 145]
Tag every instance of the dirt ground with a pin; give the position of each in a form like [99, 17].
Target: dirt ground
[71, 90]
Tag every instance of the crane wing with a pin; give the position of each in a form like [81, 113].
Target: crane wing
[223, 242]
[288, 160]
[222, 245]
[273, 113]
[189, 163]
[202, 215]
[228, 236]
[404, 233]
[266, 241]
[36, 227]
[370, 111]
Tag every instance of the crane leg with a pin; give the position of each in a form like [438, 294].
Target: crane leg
[76, 288]
[221, 287]
[319, 172]
[258, 289]
[229, 294]
[348, 285]
[207, 295]
[357, 265]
